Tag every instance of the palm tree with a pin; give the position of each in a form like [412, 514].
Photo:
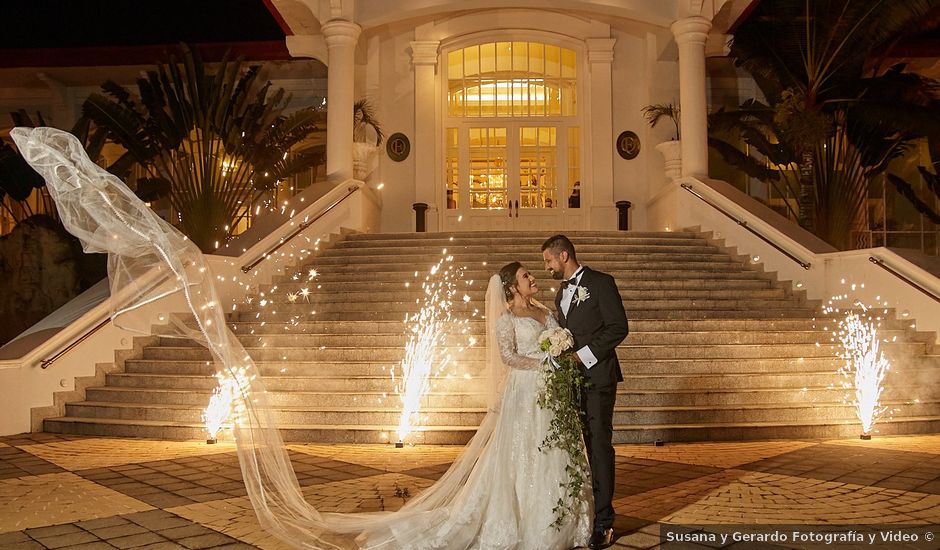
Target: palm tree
[833, 114]
[655, 112]
[216, 141]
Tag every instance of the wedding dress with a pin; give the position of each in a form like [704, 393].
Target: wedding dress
[498, 495]
[501, 493]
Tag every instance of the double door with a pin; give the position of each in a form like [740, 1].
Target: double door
[512, 177]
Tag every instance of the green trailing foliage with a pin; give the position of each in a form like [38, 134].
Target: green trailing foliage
[211, 141]
[561, 394]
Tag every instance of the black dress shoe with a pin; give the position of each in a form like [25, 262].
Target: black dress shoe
[601, 539]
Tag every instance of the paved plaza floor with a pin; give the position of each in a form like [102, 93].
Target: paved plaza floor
[87, 493]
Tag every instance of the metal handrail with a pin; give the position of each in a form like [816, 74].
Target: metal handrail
[743, 223]
[300, 228]
[880, 263]
[46, 362]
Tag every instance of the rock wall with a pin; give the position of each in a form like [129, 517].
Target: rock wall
[41, 268]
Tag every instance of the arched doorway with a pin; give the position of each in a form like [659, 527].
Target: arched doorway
[512, 136]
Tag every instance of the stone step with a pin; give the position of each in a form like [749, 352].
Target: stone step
[326, 433]
[626, 352]
[747, 381]
[718, 350]
[303, 339]
[511, 237]
[295, 368]
[660, 381]
[722, 366]
[282, 383]
[743, 431]
[650, 266]
[463, 246]
[391, 355]
[638, 325]
[897, 391]
[442, 435]
[677, 314]
[650, 284]
[484, 272]
[287, 416]
[533, 259]
[517, 241]
[476, 296]
[458, 307]
[200, 398]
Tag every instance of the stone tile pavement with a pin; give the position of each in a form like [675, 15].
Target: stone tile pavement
[73, 492]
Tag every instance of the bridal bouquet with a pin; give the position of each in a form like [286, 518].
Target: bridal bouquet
[561, 394]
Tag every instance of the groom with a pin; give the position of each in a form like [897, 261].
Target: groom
[589, 305]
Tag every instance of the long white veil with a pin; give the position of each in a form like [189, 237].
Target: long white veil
[149, 259]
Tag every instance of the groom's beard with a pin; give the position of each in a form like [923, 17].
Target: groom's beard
[557, 275]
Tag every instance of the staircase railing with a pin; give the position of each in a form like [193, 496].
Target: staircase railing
[810, 264]
[300, 229]
[744, 224]
[88, 339]
[45, 363]
[881, 263]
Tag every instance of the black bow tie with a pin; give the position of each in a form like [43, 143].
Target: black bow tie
[571, 281]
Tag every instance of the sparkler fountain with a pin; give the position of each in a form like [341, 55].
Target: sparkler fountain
[219, 410]
[865, 364]
[428, 328]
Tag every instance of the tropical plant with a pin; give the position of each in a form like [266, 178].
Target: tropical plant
[364, 119]
[834, 117]
[215, 141]
[653, 113]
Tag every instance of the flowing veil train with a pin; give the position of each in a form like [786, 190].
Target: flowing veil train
[149, 259]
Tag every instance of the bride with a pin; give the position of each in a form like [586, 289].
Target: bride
[501, 492]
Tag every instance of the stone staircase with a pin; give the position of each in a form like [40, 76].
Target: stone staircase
[718, 349]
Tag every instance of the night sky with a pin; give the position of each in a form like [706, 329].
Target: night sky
[101, 23]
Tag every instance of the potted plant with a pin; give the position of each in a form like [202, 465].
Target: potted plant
[365, 125]
[672, 149]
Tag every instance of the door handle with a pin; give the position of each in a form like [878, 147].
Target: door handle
[517, 208]
[510, 209]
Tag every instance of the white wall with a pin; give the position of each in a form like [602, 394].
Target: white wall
[395, 94]
[644, 70]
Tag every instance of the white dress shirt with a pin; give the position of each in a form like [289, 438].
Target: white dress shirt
[567, 294]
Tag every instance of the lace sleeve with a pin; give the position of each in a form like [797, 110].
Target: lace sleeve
[550, 321]
[506, 338]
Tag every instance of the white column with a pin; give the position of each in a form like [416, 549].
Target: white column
[603, 214]
[690, 34]
[341, 37]
[424, 58]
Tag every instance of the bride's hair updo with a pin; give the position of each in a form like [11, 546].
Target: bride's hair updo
[508, 277]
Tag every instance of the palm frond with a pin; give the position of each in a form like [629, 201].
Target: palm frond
[907, 191]
[364, 118]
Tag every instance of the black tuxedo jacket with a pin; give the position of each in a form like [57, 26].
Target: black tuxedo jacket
[599, 323]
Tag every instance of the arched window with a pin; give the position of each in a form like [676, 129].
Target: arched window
[512, 130]
[512, 79]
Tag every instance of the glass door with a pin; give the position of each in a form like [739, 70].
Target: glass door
[515, 177]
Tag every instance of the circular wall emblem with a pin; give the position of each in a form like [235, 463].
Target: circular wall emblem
[398, 147]
[628, 145]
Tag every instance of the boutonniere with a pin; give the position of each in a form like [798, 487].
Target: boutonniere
[580, 294]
